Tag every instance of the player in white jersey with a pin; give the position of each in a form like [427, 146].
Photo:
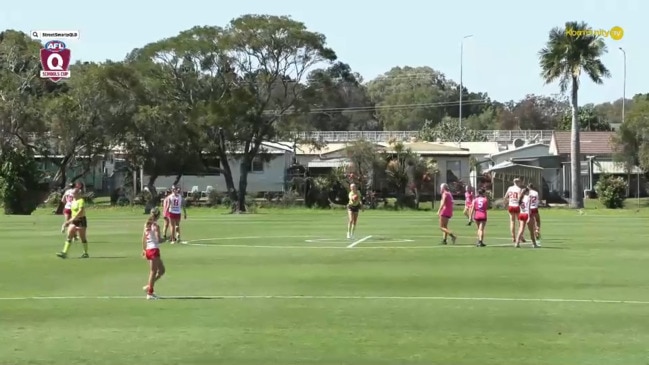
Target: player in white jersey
[512, 198]
[175, 210]
[151, 252]
[524, 218]
[67, 199]
[534, 211]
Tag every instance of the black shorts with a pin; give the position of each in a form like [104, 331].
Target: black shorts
[80, 222]
[353, 208]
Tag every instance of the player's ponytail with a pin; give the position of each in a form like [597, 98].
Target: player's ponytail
[524, 192]
[155, 214]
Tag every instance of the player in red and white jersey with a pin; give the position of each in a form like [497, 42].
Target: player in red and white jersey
[534, 211]
[67, 199]
[175, 211]
[512, 198]
[524, 218]
[151, 252]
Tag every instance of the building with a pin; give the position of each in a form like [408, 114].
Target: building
[268, 173]
[597, 152]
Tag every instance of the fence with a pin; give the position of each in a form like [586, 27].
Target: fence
[543, 136]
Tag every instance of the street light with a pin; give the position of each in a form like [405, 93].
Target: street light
[624, 118]
[461, 73]
[623, 85]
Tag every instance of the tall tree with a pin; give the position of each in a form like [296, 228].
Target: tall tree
[563, 59]
[271, 57]
[632, 137]
[406, 97]
[338, 100]
[589, 120]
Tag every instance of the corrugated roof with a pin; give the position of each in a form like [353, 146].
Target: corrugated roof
[590, 143]
[334, 162]
[476, 148]
[506, 152]
[507, 164]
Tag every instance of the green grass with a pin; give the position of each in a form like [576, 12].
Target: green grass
[386, 301]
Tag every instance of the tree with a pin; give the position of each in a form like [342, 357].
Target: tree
[365, 163]
[406, 97]
[81, 124]
[563, 59]
[532, 112]
[632, 137]
[192, 73]
[21, 190]
[270, 57]
[338, 100]
[449, 130]
[405, 172]
[588, 120]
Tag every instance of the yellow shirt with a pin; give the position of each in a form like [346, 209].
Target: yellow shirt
[77, 205]
[352, 202]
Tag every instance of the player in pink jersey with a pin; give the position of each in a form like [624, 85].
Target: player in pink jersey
[524, 219]
[512, 197]
[478, 212]
[151, 252]
[445, 213]
[468, 203]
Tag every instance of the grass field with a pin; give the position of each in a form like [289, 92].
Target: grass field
[281, 287]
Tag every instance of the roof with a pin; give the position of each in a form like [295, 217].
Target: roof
[508, 164]
[476, 148]
[334, 162]
[591, 143]
[433, 148]
[507, 152]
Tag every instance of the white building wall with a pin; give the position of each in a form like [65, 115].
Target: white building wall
[269, 179]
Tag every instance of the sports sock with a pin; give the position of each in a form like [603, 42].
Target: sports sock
[85, 247]
[66, 246]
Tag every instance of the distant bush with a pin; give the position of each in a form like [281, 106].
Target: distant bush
[611, 191]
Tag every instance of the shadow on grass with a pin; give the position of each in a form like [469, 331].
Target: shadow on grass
[102, 258]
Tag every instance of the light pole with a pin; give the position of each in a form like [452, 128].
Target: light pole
[461, 74]
[623, 85]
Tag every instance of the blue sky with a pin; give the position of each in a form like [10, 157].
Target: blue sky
[501, 58]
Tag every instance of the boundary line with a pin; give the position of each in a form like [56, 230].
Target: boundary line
[353, 244]
[305, 247]
[340, 297]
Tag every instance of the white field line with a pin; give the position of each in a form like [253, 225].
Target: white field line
[293, 220]
[340, 247]
[340, 297]
[353, 244]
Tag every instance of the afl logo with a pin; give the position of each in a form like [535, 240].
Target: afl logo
[55, 59]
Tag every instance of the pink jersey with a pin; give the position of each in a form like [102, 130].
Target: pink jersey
[468, 198]
[447, 201]
[480, 206]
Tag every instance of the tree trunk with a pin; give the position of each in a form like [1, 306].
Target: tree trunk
[576, 193]
[243, 183]
[155, 200]
[177, 179]
[225, 165]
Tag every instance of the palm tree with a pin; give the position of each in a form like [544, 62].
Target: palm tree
[564, 57]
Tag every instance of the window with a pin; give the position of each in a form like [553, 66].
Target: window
[453, 174]
[257, 165]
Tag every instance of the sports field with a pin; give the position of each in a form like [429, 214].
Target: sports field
[282, 287]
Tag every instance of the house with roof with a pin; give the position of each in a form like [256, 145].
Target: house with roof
[597, 150]
[453, 162]
[268, 173]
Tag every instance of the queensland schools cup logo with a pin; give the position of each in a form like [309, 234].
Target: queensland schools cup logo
[55, 59]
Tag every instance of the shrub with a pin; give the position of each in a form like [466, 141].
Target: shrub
[289, 199]
[214, 198]
[611, 191]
